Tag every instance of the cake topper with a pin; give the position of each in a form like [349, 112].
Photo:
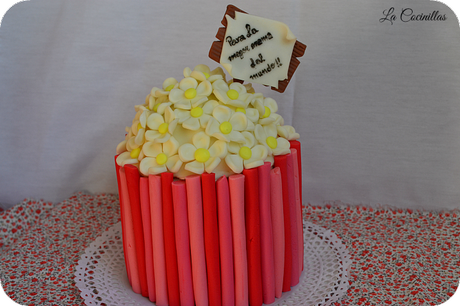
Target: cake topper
[256, 49]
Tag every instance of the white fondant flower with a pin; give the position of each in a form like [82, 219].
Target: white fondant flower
[245, 155]
[226, 125]
[196, 117]
[267, 136]
[202, 73]
[160, 157]
[287, 132]
[161, 128]
[199, 156]
[190, 93]
[234, 94]
[126, 159]
[267, 108]
[168, 85]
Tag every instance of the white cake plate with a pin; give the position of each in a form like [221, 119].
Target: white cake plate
[101, 274]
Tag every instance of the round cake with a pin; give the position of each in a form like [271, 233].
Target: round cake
[209, 179]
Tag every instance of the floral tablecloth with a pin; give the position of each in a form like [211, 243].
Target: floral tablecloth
[399, 257]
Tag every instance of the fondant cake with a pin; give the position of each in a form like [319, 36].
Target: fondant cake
[210, 190]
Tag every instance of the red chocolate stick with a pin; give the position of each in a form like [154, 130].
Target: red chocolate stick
[296, 145]
[281, 162]
[129, 244]
[172, 275]
[145, 208]
[294, 230]
[211, 237]
[132, 178]
[252, 210]
[123, 222]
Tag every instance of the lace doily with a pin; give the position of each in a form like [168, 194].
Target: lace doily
[101, 274]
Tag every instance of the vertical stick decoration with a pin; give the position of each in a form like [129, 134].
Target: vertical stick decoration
[172, 275]
[225, 241]
[211, 237]
[132, 179]
[159, 260]
[146, 224]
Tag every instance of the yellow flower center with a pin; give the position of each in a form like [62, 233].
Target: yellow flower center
[245, 153]
[155, 107]
[267, 112]
[241, 110]
[135, 153]
[225, 127]
[169, 87]
[139, 126]
[206, 74]
[233, 94]
[272, 142]
[196, 112]
[161, 159]
[163, 128]
[202, 155]
[190, 93]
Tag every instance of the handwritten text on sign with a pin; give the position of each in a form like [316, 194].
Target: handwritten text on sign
[257, 49]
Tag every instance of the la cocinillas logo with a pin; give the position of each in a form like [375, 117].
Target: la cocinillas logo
[407, 14]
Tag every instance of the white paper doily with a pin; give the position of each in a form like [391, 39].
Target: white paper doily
[101, 274]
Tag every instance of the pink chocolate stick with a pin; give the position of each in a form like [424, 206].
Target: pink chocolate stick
[276, 203]
[183, 243]
[225, 240]
[156, 208]
[266, 233]
[295, 275]
[195, 218]
[236, 186]
[129, 244]
[145, 208]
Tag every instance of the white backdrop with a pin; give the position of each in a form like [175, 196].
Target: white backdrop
[377, 102]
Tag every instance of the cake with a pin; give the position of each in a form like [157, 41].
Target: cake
[209, 180]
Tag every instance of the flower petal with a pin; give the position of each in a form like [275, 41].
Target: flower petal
[233, 147]
[270, 130]
[171, 146]
[252, 114]
[162, 107]
[121, 147]
[122, 157]
[253, 164]
[259, 133]
[283, 147]
[191, 124]
[218, 149]
[236, 137]
[195, 167]
[234, 162]
[169, 115]
[249, 139]
[204, 89]
[201, 140]
[222, 113]
[271, 104]
[174, 163]
[239, 121]
[212, 127]
[154, 121]
[152, 135]
[146, 163]
[176, 95]
[188, 83]
[220, 85]
[211, 164]
[181, 114]
[187, 72]
[209, 106]
[187, 152]
[152, 149]
[139, 140]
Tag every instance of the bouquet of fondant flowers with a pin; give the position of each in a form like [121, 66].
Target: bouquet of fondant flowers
[204, 124]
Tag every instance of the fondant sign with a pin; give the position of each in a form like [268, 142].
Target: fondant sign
[256, 50]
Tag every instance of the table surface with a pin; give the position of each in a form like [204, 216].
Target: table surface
[399, 257]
